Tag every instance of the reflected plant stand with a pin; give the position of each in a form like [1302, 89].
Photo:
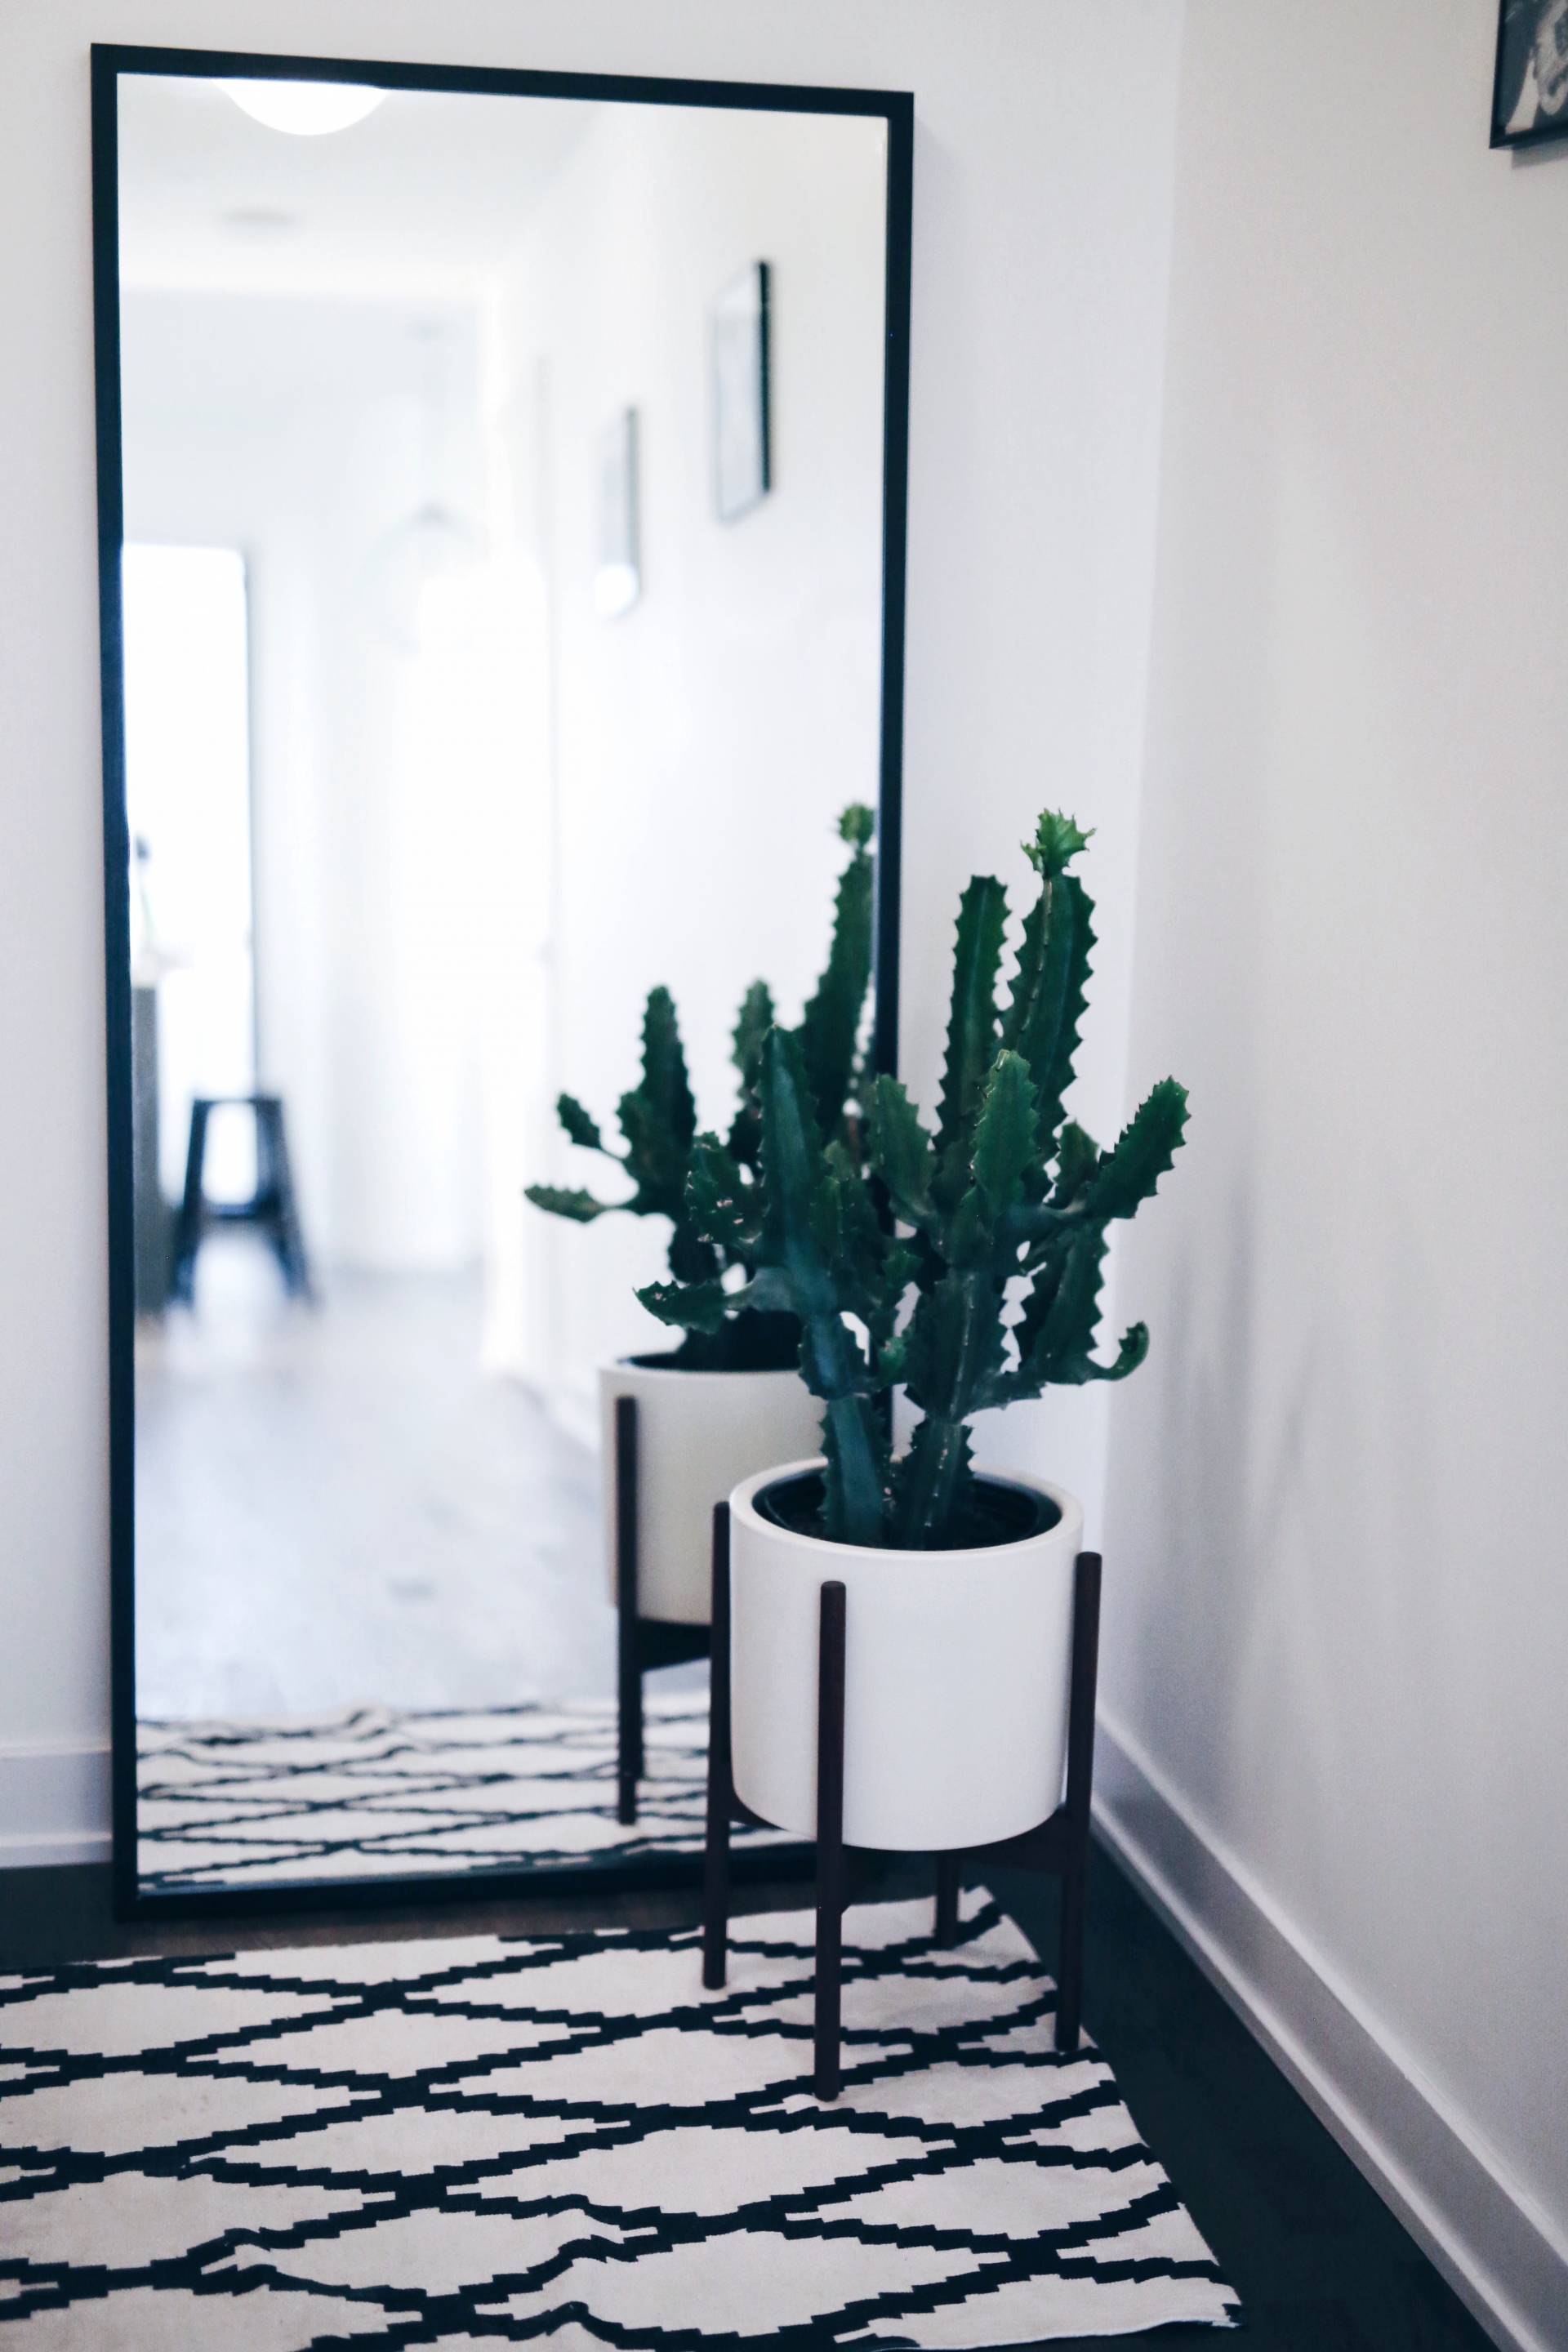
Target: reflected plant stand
[642, 1643]
[1059, 1845]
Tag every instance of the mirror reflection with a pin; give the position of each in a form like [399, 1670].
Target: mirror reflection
[503, 485]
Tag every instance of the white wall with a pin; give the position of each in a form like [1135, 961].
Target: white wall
[1337, 1645]
[1040, 241]
[705, 740]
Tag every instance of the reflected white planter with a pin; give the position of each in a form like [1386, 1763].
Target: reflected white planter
[956, 1677]
[698, 1434]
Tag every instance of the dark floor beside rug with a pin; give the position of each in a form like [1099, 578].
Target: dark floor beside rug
[1319, 2262]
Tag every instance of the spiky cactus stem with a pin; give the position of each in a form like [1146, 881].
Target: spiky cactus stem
[1004, 1191]
[657, 1120]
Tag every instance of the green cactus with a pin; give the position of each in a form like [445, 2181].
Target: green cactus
[709, 1192]
[1005, 1191]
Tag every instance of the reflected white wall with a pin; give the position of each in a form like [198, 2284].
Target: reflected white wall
[188, 790]
[704, 741]
[322, 438]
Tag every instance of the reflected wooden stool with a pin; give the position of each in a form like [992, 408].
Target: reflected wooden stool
[1059, 1845]
[271, 1205]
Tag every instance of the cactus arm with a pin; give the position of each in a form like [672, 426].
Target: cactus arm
[1061, 1311]
[665, 1083]
[1093, 1188]
[658, 1116]
[708, 1306]
[580, 1207]
[1132, 1352]
[1143, 1152]
[692, 1259]
[720, 1204]
[1078, 1156]
[1055, 1331]
[1079, 1371]
[952, 1350]
[830, 1026]
[972, 1024]
[753, 1022]
[581, 1126]
[952, 1359]
[930, 1483]
[689, 1305]
[831, 1362]
[1048, 993]
[874, 1269]
[900, 1152]
[1007, 1136]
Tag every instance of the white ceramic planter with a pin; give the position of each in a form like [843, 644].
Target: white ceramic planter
[956, 1675]
[698, 1434]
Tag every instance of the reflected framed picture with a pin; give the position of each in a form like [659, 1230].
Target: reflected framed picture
[617, 574]
[742, 425]
[1529, 85]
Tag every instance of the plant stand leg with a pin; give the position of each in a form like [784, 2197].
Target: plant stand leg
[1069, 1963]
[1079, 1791]
[830, 1841]
[949, 1880]
[721, 1783]
[628, 1654]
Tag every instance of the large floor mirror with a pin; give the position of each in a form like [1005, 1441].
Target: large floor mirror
[502, 502]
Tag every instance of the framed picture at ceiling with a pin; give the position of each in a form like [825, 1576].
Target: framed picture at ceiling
[617, 574]
[742, 425]
[1529, 87]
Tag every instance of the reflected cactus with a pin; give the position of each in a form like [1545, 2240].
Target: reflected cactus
[658, 1122]
[1007, 1199]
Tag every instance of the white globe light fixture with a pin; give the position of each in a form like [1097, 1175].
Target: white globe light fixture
[307, 109]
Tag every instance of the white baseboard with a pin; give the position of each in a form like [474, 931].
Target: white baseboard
[54, 1803]
[1494, 2246]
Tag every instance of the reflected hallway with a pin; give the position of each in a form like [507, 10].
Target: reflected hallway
[337, 1507]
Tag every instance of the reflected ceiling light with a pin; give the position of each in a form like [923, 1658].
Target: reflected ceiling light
[306, 108]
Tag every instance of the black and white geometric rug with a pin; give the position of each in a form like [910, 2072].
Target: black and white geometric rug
[386, 1792]
[478, 2142]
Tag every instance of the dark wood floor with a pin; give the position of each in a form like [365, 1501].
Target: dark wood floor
[1321, 2263]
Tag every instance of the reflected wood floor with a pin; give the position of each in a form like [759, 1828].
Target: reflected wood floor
[1319, 2262]
[337, 1507]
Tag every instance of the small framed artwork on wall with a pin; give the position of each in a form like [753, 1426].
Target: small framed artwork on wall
[1529, 87]
[742, 423]
[618, 576]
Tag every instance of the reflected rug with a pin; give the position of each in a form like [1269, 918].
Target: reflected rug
[484, 2142]
[386, 1792]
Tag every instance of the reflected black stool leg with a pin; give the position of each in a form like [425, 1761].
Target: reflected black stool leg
[290, 1241]
[188, 1223]
[721, 1783]
[628, 1656]
[949, 1879]
[829, 1842]
[1079, 1789]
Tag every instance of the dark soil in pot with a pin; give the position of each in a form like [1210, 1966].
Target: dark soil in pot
[999, 1512]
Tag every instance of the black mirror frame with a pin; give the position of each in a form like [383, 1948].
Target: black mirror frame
[110, 62]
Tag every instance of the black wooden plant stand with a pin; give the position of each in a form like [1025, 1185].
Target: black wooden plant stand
[642, 1643]
[1059, 1846]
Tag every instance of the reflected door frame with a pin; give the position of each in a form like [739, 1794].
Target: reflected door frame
[110, 63]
